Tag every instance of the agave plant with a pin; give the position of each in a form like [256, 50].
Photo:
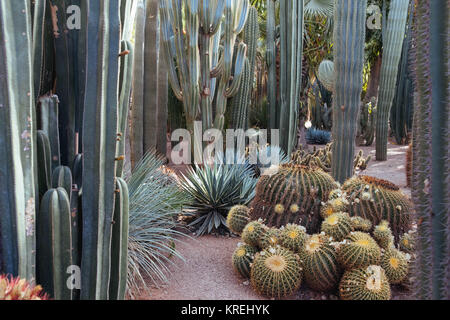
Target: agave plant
[215, 188]
[155, 203]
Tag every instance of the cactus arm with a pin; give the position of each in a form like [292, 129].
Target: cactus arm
[394, 36]
[17, 140]
[217, 17]
[38, 42]
[119, 243]
[49, 124]
[99, 146]
[44, 162]
[349, 36]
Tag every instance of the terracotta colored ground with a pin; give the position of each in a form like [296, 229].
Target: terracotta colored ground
[207, 272]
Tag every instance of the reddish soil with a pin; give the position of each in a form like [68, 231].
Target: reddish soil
[207, 272]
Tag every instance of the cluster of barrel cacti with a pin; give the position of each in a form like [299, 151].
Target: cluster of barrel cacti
[58, 220]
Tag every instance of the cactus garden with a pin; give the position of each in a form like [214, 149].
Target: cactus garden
[224, 150]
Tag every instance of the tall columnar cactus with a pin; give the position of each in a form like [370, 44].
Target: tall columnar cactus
[194, 51]
[99, 146]
[431, 150]
[18, 196]
[349, 37]
[392, 43]
[54, 244]
[43, 163]
[241, 101]
[271, 53]
[48, 115]
[291, 34]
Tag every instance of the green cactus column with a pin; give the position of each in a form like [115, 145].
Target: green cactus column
[18, 196]
[291, 33]
[271, 53]
[99, 146]
[392, 43]
[349, 37]
[430, 185]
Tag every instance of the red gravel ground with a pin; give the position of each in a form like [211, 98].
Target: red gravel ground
[207, 272]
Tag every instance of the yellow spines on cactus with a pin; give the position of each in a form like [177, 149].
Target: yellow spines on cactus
[367, 283]
[396, 265]
[253, 232]
[361, 224]
[333, 206]
[337, 226]
[242, 259]
[237, 218]
[319, 259]
[19, 289]
[292, 195]
[407, 242]
[335, 194]
[269, 238]
[376, 199]
[276, 272]
[358, 250]
[293, 237]
[383, 235]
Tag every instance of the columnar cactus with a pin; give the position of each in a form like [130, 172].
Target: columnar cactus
[18, 190]
[291, 34]
[271, 53]
[349, 37]
[54, 244]
[392, 44]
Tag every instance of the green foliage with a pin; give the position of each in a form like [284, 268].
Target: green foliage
[155, 202]
[215, 189]
[321, 267]
[367, 283]
[292, 195]
[276, 272]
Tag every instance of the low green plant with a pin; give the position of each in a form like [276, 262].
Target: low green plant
[155, 203]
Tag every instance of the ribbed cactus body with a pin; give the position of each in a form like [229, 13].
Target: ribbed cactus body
[368, 283]
[337, 226]
[361, 224]
[62, 177]
[49, 106]
[241, 101]
[375, 199]
[54, 244]
[293, 237]
[276, 272]
[349, 38]
[292, 195]
[321, 267]
[269, 238]
[383, 235]
[253, 232]
[238, 217]
[271, 54]
[99, 146]
[119, 242]
[44, 162]
[291, 39]
[407, 242]
[326, 74]
[358, 250]
[392, 44]
[18, 190]
[333, 206]
[396, 265]
[242, 258]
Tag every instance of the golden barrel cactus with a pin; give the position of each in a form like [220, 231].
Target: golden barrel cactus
[367, 283]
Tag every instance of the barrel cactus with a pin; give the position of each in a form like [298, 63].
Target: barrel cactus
[376, 199]
[358, 250]
[276, 272]
[269, 238]
[253, 232]
[293, 237]
[361, 224]
[396, 265]
[333, 206]
[337, 226]
[321, 267]
[407, 242]
[383, 235]
[237, 218]
[292, 195]
[368, 283]
[242, 258]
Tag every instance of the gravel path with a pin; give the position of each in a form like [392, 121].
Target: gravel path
[207, 272]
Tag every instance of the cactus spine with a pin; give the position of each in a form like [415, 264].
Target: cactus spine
[291, 33]
[349, 37]
[393, 41]
[18, 194]
[54, 244]
[99, 146]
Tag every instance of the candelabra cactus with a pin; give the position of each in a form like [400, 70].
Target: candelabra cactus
[349, 37]
[392, 44]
